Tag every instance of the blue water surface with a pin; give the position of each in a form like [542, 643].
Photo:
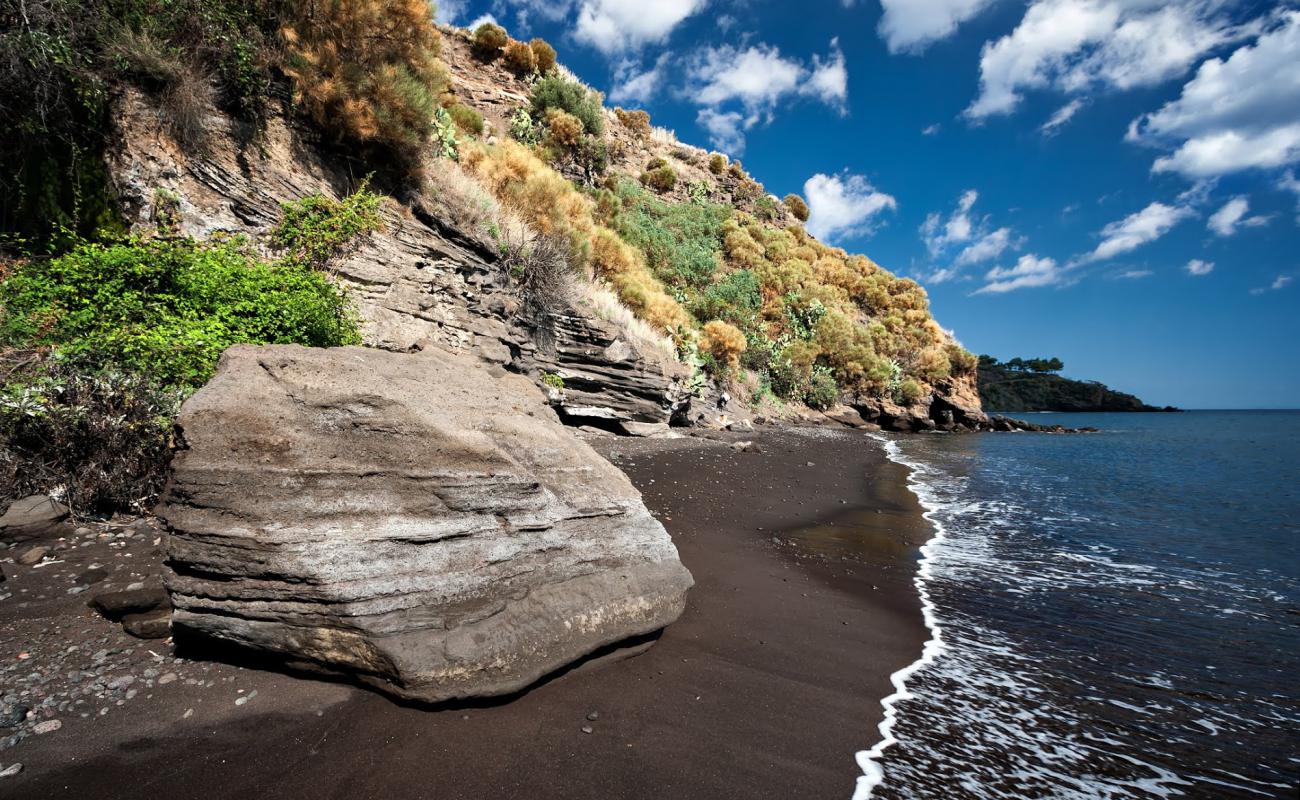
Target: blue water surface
[1120, 611]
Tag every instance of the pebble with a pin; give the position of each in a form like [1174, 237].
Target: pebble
[189, 712]
[239, 701]
[167, 678]
[593, 716]
[48, 726]
[587, 729]
[11, 770]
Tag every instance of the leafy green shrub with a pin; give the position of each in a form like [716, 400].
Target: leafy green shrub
[316, 230]
[797, 207]
[443, 136]
[661, 179]
[556, 91]
[680, 240]
[167, 309]
[543, 56]
[94, 433]
[553, 380]
[736, 299]
[765, 208]
[489, 39]
[909, 391]
[520, 59]
[823, 392]
[466, 118]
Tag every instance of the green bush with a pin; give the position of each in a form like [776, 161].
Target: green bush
[167, 309]
[661, 179]
[556, 91]
[316, 230]
[823, 392]
[489, 40]
[466, 118]
[681, 241]
[735, 299]
[522, 128]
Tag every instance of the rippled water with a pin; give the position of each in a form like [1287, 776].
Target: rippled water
[1117, 615]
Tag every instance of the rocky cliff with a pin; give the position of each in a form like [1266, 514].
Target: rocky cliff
[1016, 391]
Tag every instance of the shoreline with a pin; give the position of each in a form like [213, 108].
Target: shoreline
[803, 550]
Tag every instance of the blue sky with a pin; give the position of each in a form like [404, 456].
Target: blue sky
[1112, 182]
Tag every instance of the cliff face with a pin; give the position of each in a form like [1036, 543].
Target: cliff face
[420, 281]
[425, 279]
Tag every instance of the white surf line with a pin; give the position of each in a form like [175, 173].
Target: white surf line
[868, 760]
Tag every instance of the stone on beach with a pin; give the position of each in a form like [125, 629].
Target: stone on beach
[409, 520]
[30, 518]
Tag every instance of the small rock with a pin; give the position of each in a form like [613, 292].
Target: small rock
[154, 625]
[167, 678]
[593, 716]
[33, 556]
[48, 726]
[116, 605]
[189, 712]
[239, 701]
[587, 729]
[13, 716]
[11, 770]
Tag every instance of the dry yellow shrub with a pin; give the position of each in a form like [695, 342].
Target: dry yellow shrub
[367, 70]
[563, 130]
[724, 342]
[552, 206]
[520, 58]
[636, 121]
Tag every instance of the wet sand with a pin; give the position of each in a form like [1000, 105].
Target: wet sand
[803, 556]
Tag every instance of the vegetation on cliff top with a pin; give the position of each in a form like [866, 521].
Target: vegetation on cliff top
[1020, 385]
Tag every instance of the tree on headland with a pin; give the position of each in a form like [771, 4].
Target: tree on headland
[1039, 365]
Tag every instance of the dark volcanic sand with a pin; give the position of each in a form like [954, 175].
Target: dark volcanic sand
[765, 688]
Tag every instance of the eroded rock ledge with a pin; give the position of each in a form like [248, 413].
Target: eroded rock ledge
[411, 520]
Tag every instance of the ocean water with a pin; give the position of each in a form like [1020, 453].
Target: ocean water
[1115, 615]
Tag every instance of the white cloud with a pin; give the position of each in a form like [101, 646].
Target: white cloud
[482, 19]
[1030, 271]
[843, 205]
[450, 10]
[939, 235]
[1289, 183]
[756, 79]
[632, 86]
[1227, 219]
[931, 130]
[1234, 114]
[1198, 267]
[1280, 282]
[1076, 45]
[1137, 229]
[725, 129]
[614, 26]
[986, 248]
[1134, 274]
[1061, 116]
[912, 25]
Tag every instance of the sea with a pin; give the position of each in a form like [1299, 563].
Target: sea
[1113, 615]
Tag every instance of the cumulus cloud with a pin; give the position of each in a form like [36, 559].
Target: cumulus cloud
[1030, 271]
[1137, 229]
[1232, 215]
[1077, 45]
[909, 26]
[1061, 116]
[635, 85]
[614, 26]
[843, 205]
[971, 237]
[1198, 267]
[985, 248]
[752, 81]
[1234, 114]
[725, 129]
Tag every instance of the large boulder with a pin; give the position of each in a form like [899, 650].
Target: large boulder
[413, 521]
[35, 517]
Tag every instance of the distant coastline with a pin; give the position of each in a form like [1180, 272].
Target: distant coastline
[1029, 385]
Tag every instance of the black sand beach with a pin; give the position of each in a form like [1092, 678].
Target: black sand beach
[803, 555]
